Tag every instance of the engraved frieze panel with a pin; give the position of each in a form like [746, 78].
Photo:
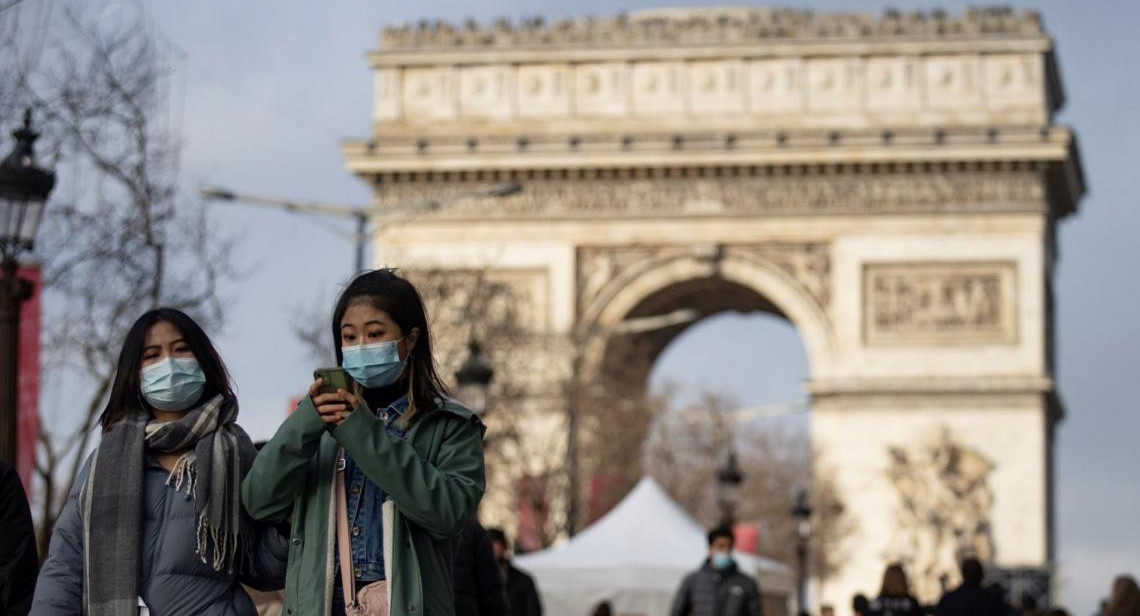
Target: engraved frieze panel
[775, 86]
[386, 95]
[940, 303]
[600, 89]
[953, 81]
[769, 195]
[893, 83]
[716, 87]
[543, 90]
[835, 83]
[1014, 80]
[876, 85]
[659, 88]
[429, 93]
[485, 92]
[708, 89]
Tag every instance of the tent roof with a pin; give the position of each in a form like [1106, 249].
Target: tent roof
[647, 529]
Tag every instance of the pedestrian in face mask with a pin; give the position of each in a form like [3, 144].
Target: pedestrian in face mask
[718, 588]
[154, 520]
[395, 456]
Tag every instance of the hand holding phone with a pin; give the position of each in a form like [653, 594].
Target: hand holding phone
[333, 380]
[331, 396]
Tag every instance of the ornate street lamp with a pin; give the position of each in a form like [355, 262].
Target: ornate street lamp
[801, 516]
[728, 480]
[474, 378]
[24, 190]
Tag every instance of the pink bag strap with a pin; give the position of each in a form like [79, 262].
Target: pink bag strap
[343, 541]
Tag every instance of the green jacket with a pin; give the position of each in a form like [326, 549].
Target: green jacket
[434, 479]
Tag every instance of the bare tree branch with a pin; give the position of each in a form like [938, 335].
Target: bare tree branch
[128, 242]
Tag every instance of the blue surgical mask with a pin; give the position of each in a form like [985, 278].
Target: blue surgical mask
[721, 561]
[173, 384]
[373, 365]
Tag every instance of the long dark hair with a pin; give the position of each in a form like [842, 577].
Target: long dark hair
[384, 290]
[895, 584]
[126, 394]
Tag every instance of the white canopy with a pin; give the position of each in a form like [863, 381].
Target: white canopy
[635, 557]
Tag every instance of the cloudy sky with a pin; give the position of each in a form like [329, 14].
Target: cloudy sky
[268, 88]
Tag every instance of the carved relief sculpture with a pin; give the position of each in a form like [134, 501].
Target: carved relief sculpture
[940, 303]
[944, 507]
[846, 194]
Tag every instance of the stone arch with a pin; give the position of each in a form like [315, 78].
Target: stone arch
[773, 287]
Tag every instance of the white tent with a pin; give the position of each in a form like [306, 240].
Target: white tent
[636, 557]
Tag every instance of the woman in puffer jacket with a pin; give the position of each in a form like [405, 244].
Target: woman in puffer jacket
[154, 522]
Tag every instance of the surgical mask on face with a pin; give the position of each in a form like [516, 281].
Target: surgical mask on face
[373, 365]
[721, 561]
[173, 384]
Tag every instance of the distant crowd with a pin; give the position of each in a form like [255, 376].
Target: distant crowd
[976, 598]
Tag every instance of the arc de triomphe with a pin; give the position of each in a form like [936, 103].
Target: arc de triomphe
[891, 185]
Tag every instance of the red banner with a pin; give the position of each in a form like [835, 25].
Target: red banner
[28, 396]
[747, 538]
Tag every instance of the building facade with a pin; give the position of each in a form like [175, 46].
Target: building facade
[891, 185]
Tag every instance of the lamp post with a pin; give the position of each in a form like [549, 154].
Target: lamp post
[361, 215]
[24, 190]
[801, 516]
[474, 378]
[728, 480]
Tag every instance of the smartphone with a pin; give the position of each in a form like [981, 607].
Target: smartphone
[334, 379]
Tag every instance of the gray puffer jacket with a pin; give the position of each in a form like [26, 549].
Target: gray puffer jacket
[174, 581]
[709, 592]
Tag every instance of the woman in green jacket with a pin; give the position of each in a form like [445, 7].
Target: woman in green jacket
[413, 463]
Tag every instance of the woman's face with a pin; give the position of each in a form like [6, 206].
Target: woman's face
[164, 340]
[363, 323]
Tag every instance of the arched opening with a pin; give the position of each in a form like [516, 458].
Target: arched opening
[672, 402]
[717, 360]
[757, 358]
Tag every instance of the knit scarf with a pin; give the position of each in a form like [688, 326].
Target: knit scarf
[218, 455]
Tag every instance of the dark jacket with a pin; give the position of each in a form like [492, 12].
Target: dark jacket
[18, 560]
[971, 600]
[479, 586]
[522, 593]
[173, 579]
[711, 592]
[894, 606]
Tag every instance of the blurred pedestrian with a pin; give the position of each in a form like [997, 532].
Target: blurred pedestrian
[1125, 598]
[522, 594]
[1028, 606]
[860, 605]
[480, 589]
[396, 455]
[153, 518]
[971, 599]
[718, 588]
[18, 560]
[603, 609]
[894, 596]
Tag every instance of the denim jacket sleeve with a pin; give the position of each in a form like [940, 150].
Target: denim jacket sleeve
[438, 495]
[59, 590]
